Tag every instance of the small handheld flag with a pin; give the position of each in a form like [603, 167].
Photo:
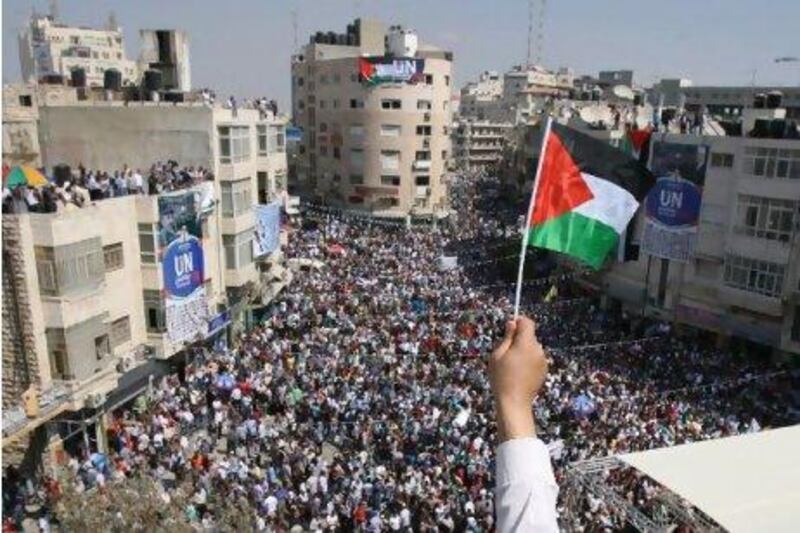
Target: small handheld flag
[585, 194]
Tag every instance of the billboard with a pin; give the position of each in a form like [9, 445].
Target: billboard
[182, 265]
[267, 229]
[672, 207]
[377, 70]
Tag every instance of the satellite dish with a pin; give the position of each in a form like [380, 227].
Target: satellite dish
[593, 114]
[623, 92]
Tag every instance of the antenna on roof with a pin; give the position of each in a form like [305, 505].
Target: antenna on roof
[54, 10]
[112, 21]
[539, 37]
[294, 27]
[530, 33]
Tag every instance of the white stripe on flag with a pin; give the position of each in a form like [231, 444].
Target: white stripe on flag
[612, 205]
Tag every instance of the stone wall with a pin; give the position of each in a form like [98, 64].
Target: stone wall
[20, 366]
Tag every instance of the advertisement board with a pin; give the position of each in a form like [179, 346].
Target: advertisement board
[267, 229]
[182, 265]
[672, 207]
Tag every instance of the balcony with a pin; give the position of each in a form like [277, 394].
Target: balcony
[421, 164]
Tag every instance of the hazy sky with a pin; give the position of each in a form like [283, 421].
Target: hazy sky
[244, 46]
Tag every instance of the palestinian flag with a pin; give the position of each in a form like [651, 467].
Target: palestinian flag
[586, 194]
[635, 141]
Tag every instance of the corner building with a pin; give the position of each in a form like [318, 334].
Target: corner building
[381, 143]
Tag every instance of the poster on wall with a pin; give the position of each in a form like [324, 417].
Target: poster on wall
[377, 70]
[672, 207]
[267, 229]
[179, 236]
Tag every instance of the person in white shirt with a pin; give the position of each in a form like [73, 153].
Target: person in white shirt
[525, 488]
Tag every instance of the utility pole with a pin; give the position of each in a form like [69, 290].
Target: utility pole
[294, 28]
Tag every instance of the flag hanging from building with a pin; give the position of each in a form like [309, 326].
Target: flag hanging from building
[586, 193]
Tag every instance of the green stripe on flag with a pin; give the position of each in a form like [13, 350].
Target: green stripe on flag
[573, 234]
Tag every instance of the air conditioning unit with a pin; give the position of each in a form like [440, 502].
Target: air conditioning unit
[125, 363]
[426, 117]
[95, 401]
[426, 142]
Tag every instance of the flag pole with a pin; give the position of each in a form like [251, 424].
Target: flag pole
[526, 229]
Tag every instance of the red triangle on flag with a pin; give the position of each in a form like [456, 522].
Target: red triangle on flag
[561, 187]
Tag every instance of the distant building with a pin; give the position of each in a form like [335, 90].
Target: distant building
[479, 144]
[50, 48]
[374, 106]
[616, 77]
[482, 99]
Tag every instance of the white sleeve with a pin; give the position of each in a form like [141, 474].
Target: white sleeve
[526, 490]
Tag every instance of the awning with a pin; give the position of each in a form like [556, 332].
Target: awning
[745, 483]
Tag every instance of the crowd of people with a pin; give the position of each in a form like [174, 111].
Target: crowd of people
[361, 401]
[85, 186]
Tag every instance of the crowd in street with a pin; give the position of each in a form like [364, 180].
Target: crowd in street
[361, 401]
[85, 186]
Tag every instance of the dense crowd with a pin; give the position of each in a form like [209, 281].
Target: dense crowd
[86, 186]
[361, 401]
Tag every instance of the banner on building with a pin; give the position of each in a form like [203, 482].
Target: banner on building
[267, 229]
[182, 265]
[672, 207]
[377, 70]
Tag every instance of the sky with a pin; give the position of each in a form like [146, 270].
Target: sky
[243, 47]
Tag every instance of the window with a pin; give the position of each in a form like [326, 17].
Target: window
[154, 315]
[423, 130]
[262, 179]
[422, 181]
[391, 103]
[25, 100]
[147, 243]
[357, 132]
[120, 331]
[772, 163]
[356, 179]
[428, 79]
[444, 155]
[447, 80]
[234, 144]
[723, 160]
[356, 158]
[390, 180]
[237, 197]
[422, 155]
[796, 324]
[323, 151]
[238, 249]
[752, 275]
[390, 159]
[424, 105]
[323, 127]
[322, 104]
[276, 139]
[261, 133]
[112, 257]
[70, 268]
[390, 130]
[356, 103]
[336, 103]
[337, 152]
[300, 81]
[101, 347]
[767, 218]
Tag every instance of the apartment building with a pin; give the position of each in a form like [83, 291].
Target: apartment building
[742, 279]
[479, 144]
[50, 48]
[87, 309]
[482, 99]
[374, 108]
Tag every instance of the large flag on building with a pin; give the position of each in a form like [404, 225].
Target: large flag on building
[586, 193]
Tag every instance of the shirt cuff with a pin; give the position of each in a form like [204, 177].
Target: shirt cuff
[523, 460]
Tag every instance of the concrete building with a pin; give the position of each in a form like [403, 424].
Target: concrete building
[381, 144]
[50, 48]
[482, 99]
[84, 307]
[527, 90]
[743, 280]
[20, 118]
[616, 77]
[479, 144]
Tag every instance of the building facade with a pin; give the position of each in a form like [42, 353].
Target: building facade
[378, 145]
[48, 48]
[89, 285]
[743, 280]
[479, 144]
